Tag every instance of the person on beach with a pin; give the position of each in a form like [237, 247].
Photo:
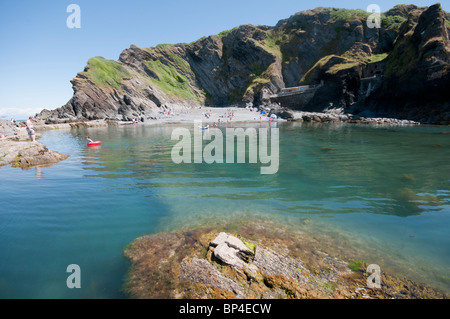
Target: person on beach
[30, 130]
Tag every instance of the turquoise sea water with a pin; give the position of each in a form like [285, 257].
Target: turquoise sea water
[386, 189]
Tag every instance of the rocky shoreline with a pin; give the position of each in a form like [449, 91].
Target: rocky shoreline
[258, 260]
[16, 151]
[26, 154]
[184, 114]
[339, 116]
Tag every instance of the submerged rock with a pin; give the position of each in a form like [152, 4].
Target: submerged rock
[228, 255]
[200, 271]
[205, 263]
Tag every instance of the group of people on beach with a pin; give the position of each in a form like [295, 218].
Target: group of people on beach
[229, 115]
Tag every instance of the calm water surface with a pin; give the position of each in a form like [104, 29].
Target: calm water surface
[385, 188]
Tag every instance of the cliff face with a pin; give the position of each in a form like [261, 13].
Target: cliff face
[417, 73]
[249, 63]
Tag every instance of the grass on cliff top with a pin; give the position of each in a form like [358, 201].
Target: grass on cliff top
[170, 81]
[345, 15]
[106, 72]
[226, 32]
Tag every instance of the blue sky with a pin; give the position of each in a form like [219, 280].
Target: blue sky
[39, 54]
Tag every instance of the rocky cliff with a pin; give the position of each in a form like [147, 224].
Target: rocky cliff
[399, 69]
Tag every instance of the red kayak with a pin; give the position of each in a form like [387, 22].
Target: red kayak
[94, 143]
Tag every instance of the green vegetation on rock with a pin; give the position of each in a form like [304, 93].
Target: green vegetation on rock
[226, 32]
[403, 58]
[249, 245]
[356, 265]
[376, 58]
[274, 42]
[169, 80]
[392, 22]
[345, 15]
[259, 80]
[342, 66]
[180, 63]
[106, 72]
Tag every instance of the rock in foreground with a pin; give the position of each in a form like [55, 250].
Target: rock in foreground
[206, 263]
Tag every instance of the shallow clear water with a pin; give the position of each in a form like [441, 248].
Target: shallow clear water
[385, 188]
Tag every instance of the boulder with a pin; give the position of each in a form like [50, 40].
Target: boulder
[231, 250]
[228, 255]
[231, 241]
[28, 154]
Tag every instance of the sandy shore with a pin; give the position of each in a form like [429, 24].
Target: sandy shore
[208, 115]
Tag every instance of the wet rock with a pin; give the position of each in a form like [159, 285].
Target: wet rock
[28, 154]
[182, 265]
[201, 271]
[228, 255]
[231, 241]
[283, 113]
[273, 263]
[231, 250]
[251, 271]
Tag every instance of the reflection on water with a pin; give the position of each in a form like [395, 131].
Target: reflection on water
[386, 189]
[337, 168]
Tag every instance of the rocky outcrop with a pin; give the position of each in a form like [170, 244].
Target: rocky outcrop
[411, 78]
[27, 154]
[338, 116]
[245, 65]
[418, 71]
[7, 128]
[204, 263]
